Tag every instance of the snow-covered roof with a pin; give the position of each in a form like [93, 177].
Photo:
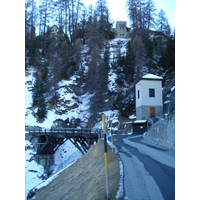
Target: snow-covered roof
[140, 121]
[152, 76]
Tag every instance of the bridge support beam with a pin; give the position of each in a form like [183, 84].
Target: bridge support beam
[48, 141]
[46, 160]
[79, 147]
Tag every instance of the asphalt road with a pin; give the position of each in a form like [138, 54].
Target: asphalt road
[149, 170]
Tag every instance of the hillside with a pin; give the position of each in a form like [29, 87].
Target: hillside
[76, 70]
[71, 102]
[85, 179]
[73, 105]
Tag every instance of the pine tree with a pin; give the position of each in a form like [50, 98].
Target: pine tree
[167, 60]
[38, 90]
[125, 103]
[44, 72]
[106, 58]
[42, 109]
[129, 62]
[149, 47]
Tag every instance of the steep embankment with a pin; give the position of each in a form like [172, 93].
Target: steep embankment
[85, 179]
[162, 133]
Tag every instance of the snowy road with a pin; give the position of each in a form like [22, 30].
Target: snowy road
[149, 170]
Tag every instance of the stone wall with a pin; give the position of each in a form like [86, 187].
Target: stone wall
[143, 111]
[162, 133]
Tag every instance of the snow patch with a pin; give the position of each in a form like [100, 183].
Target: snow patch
[120, 191]
[132, 117]
[173, 88]
[65, 155]
[112, 86]
[34, 173]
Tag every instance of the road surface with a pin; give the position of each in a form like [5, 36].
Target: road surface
[149, 170]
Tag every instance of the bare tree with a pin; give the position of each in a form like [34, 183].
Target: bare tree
[132, 13]
[150, 10]
[45, 14]
[162, 25]
[139, 51]
[141, 13]
[30, 20]
[72, 17]
[161, 20]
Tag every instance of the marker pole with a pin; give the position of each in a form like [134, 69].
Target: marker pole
[106, 157]
[111, 136]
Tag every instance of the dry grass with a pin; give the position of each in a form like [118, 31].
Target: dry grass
[85, 179]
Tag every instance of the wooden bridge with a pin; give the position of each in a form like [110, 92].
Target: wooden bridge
[49, 140]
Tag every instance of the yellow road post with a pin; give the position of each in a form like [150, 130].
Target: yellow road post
[106, 157]
[111, 136]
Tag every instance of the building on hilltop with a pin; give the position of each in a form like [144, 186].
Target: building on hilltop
[149, 98]
[55, 31]
[121, 30]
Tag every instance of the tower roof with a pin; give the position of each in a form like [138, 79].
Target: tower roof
[151, 76]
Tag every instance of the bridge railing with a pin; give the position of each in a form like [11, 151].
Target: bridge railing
[68, 131]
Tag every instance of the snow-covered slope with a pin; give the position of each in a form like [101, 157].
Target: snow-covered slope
[63, 110]
[34, 173]
[67, 153]
[69, 105]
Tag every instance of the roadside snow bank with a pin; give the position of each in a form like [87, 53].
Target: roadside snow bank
[162, 133]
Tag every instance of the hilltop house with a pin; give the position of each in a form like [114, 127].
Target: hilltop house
[149, 98]
[55, 31]
[121, 30]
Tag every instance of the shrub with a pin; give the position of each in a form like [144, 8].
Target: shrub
[125, 103]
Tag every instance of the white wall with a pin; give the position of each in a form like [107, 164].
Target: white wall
[143, 86]
[138, 87]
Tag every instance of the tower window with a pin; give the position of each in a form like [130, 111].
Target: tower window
[151, 92]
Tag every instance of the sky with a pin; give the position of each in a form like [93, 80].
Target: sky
[118, 9]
